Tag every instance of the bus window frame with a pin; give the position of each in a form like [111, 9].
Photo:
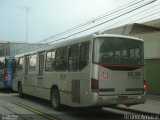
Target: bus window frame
[26, 65]
[41, 68]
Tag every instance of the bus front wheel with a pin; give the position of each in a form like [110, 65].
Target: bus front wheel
[20, 90]
[55, 99]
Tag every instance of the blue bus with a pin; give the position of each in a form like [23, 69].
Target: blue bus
[7, 69]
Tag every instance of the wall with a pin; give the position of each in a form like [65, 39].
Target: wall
[153, 76]
[152, 61]
[151, 44]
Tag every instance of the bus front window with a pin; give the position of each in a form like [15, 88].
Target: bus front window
[113, 50]
[9, 63]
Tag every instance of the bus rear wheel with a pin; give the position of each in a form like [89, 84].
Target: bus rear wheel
[20, 92]
[55, 99]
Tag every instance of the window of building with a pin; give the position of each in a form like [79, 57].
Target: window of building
[84, 55]
[73, 58]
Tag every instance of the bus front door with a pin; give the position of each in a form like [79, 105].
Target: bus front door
[40, 79]
[25, 82]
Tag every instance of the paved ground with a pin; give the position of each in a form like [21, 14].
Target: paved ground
[27, 108]
[152, 105]
[32, 108]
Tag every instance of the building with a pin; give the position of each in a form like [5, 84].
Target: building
[13, 48]
[150, 33]
[155, 23]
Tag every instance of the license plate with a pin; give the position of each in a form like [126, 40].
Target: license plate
[122, 99]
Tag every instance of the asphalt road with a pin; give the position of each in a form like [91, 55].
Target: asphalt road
[31, 108]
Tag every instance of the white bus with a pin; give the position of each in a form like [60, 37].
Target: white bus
[94, 70]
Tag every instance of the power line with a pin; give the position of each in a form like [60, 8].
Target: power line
[138, 7]
[146, 10]
[86, 23]
[158, 12]
[110, 19]
[131, 4]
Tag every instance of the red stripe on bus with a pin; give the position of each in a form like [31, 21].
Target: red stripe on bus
[118, 65]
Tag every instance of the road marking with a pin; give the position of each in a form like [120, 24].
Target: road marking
[6, 107]
[45, 115]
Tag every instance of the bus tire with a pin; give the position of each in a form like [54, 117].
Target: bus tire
[55, 99]
[20, 92]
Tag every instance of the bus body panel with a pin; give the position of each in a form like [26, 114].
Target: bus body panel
[73, 86]
[120, 82]
[76, 87]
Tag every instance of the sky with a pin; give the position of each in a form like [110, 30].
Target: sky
[48, 17]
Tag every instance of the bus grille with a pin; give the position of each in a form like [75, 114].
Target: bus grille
[76, 91]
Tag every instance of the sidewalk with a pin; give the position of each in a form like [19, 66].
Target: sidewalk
[152, 105]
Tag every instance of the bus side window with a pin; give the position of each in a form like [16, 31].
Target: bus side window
[73, 58]
[32, 63]
[19, 64]
[84, 55]
[61, 59]
[50, 61]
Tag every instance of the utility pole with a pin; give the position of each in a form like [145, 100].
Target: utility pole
[27, 10]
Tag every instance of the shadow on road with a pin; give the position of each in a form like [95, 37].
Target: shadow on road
[7, 91]
[66, 112]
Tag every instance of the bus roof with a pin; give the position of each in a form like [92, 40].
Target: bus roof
[118, 36]
[88, 38]
[67, 42]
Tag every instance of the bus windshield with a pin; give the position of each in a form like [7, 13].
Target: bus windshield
[113, 50]
[9, 63]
